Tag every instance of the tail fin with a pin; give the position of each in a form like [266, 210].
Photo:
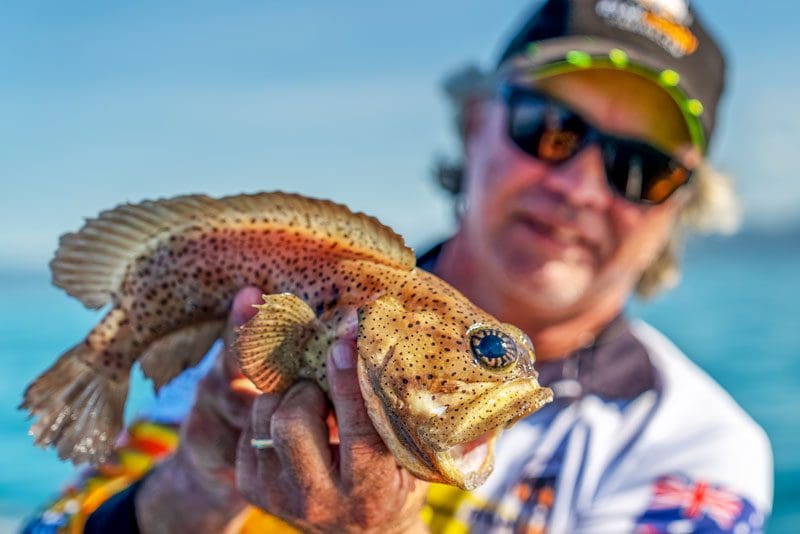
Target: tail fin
[79, 410]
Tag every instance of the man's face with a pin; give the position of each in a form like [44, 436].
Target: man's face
[557, 237]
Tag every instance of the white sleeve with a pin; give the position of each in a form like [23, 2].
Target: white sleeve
[715, 479]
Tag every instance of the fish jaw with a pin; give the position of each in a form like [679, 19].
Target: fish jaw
[460, 454]
[463, 451]
[501, 406]
[437, 409]
[468, 465]
[392, 429]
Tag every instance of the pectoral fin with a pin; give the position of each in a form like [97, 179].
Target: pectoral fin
[270, 346]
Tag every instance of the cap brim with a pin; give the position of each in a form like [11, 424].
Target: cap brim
[565, 54]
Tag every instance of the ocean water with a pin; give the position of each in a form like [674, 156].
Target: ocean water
[735, 313]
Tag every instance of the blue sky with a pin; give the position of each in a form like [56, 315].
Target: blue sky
[104, 102]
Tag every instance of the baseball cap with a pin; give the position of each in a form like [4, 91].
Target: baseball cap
[663, 40]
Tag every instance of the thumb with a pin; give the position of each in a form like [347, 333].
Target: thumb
[342, 361]
[359, 442]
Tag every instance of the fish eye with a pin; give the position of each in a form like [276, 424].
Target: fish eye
[492, 348]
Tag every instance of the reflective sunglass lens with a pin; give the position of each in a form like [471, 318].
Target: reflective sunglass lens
[551, 132]
[544, 129]
[641, 173]
[667, 183]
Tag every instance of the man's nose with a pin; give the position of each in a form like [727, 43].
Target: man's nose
[581, 180]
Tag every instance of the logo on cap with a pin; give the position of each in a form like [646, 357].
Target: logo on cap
[665, 22]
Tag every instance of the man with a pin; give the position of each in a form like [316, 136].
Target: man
[581, 158]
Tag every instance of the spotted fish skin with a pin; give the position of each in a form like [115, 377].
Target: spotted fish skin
[169, 270]
[424, 387]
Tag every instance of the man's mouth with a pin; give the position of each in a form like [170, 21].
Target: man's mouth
[560, 235]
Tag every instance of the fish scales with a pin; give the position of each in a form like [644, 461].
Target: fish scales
[197, 278]
[440, 377]
[189, 280]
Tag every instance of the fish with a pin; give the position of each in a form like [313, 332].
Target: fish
[440, 377]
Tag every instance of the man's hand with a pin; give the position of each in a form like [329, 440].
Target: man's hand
[194, 490]
[350, 487]
[215, 473]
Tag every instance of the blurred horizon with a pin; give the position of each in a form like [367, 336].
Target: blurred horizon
[108, 103]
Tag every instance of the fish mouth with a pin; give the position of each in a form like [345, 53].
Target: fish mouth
[464, 450]
[469, 464]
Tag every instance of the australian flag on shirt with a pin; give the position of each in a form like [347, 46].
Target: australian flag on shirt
[679, 504]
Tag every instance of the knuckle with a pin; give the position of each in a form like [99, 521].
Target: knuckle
[346, 391]
[369, 447]
[285, 423]
[264, 404]
[360, 436]
[296, 409]
[303, 393]
[345, 386]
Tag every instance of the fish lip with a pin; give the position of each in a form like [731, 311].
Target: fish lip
[471, 469]
[526, 403]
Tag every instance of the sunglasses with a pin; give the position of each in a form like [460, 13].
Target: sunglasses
[551, 132]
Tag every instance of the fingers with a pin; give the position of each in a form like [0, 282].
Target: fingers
[253, 464]
[224, 391]
[300, 455]
[360, 444]
[297, 479]
[209, 442]
[211, 431]
[300, 433]
[216, 395]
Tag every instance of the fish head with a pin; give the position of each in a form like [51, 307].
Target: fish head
[442, 380]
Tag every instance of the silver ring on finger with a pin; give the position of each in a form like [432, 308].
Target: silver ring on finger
[262, 443]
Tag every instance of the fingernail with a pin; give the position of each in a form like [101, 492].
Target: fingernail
[343, 356]
[348, 326]
[244, 306]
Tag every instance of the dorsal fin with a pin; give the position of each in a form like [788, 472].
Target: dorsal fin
[91, 263]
